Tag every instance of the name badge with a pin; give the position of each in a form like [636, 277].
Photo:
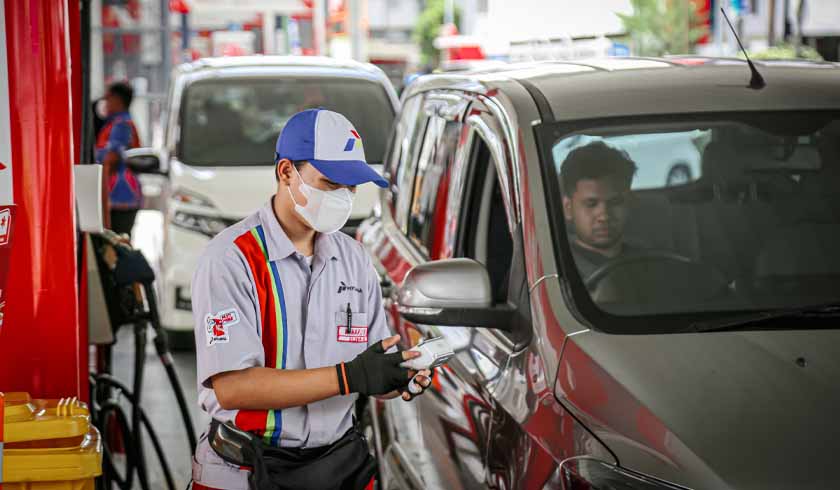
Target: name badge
[354, 335]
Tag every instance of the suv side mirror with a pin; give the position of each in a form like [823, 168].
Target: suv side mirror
[143, 160]
[452, 292]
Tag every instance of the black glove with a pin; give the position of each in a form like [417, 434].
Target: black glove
[373, 372]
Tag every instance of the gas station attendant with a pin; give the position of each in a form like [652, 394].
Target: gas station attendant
[289, 323]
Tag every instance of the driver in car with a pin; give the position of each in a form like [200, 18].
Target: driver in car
[595, 179]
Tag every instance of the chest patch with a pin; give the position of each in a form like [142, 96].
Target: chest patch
[355, 335]
[217, 326]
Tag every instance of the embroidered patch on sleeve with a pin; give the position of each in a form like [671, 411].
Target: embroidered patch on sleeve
[217, 326]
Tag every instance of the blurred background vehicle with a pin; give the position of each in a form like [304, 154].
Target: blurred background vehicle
[216, 163]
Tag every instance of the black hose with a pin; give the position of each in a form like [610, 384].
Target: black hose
[130, 436]
[137, 391]
[162, 348]
[125, 432]
[167, 474]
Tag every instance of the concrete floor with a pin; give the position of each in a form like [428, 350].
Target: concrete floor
[160, 405]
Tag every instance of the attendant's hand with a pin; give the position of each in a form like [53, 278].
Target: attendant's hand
[418, 385]
[373, 372]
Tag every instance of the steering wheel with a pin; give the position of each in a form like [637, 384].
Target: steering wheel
[605, 270]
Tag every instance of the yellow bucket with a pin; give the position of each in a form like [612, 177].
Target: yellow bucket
[48, 444]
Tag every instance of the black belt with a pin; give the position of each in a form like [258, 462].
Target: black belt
[345, 464]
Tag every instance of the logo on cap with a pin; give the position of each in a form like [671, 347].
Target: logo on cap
[351, 143]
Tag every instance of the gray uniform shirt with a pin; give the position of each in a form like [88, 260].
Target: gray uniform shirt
[228, 329]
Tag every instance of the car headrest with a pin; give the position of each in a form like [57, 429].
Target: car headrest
[802, 250]
[720, 163]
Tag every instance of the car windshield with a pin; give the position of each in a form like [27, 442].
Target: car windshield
[722, 213]
[229, 122]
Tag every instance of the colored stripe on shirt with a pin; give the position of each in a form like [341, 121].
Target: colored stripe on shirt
[267, 424]
[280, 322]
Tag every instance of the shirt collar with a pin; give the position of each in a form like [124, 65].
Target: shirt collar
[325, 246]
[278, 244]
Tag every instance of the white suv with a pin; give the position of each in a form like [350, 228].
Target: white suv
[223, 119]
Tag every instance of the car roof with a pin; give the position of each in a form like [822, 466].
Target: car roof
[278, 65]
[613, 87]
[272, 66]
[257, 61]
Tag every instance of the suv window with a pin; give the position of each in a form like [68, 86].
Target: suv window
[431, 184]
[756, 234]
[406, 139]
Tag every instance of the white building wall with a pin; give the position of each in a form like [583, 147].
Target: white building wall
[821, 18]
[509, 21]
[523, 20]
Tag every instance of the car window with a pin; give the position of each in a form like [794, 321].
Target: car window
[404, 127]
[414, 130]
[671, 158]
[234, 121]
[485, 236]
[753, 224]
[428, 204]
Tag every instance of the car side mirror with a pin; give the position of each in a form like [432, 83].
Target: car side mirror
[143, 160]
[452, 292]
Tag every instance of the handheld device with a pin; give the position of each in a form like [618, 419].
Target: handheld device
[434, 352]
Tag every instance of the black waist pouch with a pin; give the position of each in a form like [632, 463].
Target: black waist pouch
[344, 465]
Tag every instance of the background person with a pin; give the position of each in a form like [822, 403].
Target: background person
[122, 196]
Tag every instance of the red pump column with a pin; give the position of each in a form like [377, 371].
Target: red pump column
[40, 347]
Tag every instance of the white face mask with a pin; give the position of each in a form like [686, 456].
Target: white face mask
[325, 211]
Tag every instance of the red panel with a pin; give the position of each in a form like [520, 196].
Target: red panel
[39, 344]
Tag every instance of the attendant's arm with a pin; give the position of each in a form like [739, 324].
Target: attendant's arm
[260, 388]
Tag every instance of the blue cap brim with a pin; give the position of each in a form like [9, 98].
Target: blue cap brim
[349, 172]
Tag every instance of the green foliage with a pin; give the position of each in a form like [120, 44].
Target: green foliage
[427, 29]
[786, 52]
[660, 27]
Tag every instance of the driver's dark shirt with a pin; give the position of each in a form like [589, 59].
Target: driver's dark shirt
[588, 261]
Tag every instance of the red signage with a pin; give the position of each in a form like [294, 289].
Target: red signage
[6, 221]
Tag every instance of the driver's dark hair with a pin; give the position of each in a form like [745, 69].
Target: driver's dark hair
[122, 90]
[595, 161]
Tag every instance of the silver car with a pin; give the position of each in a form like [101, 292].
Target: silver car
[614, 329]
